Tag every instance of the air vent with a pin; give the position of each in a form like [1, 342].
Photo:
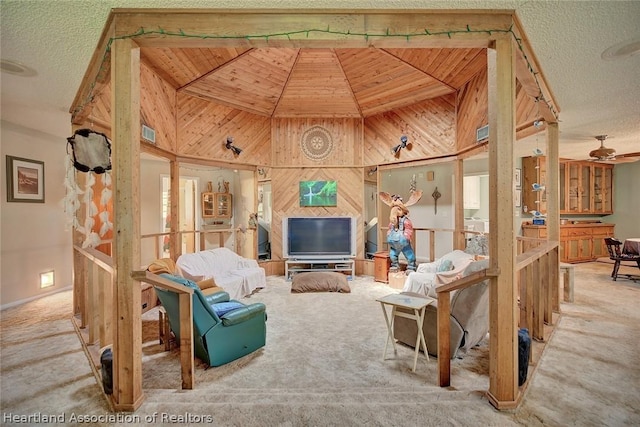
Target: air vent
[482, 133]
[149, 134]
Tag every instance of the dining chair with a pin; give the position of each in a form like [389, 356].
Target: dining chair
[615, 254]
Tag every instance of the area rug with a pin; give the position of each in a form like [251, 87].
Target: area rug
[321, 348]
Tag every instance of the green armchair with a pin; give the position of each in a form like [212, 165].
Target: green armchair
[223, 329]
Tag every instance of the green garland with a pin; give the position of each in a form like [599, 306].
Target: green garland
[142, 32]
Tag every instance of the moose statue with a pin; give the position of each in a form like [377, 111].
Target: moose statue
[400, 228]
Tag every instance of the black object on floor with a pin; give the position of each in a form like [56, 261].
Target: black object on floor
[106, 362]
[524, 348]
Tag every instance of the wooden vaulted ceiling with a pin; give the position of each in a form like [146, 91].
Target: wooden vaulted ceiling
[315, 82]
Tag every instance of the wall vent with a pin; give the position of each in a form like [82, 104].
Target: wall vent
[482, 133]
[149, 134]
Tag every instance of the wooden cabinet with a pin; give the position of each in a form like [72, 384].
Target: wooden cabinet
[382, 263]
[578, 242]
[216, 205]
[585, 187]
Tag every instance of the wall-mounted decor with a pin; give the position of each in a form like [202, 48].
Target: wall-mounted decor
[518, 177]
[518, 198]
[316, 143]
[318, 193]
[25, 180]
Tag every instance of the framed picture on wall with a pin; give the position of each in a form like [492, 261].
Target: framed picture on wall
[518, 197]
[318, 193]
[25, 180]
[518, 177]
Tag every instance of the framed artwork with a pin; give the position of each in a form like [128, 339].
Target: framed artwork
[25, 180]
[518, 198]
[318, 193]
[518, 177]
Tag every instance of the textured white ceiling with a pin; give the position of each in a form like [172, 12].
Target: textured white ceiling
[57, 39]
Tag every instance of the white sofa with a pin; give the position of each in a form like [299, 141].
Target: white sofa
[238, 276]
[439, 272]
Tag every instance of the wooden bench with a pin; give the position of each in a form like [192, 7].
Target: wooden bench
[567, 272]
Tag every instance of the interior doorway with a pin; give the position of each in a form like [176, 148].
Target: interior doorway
[188, 217]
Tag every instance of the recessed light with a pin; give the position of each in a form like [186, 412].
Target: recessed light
[16, 68]
[622, 49]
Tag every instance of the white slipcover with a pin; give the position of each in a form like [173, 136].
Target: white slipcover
[238, 276]
[427, 277]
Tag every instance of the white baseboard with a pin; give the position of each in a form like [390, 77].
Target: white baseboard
[23, 301]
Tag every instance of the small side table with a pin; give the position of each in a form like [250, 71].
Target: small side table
[418, 305]
[381, 264]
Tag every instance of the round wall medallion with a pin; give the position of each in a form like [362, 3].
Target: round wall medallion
[316, 143]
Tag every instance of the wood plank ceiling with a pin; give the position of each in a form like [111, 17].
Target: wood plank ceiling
[314, 82]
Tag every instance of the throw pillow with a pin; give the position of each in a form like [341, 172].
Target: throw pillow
[223, 308]
[206, 283]
[445, 265]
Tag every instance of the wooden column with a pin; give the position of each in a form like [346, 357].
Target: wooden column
[503, 314]
[175, 242]
[125, 110]
[458, 238]
[553, 211]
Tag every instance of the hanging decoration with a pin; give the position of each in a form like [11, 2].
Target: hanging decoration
[88, 152]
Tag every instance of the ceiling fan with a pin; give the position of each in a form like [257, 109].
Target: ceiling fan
[608, 155]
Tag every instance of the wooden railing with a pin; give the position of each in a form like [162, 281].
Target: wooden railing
[444, 326]
[537, 287]
[185, 302]
[93, 295]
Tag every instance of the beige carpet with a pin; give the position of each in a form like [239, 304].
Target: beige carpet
[322, 365]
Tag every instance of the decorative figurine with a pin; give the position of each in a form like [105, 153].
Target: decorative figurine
[400, 228]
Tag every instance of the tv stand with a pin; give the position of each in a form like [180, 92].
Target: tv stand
[293, 266]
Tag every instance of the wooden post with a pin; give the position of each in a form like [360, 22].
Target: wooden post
[503, 316]
[125, 110]
[444, 339]
[553, 209]
[175, 241]
[458, 238]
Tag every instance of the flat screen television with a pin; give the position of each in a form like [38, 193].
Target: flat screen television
[327, 237]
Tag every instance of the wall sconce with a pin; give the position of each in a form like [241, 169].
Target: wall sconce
[372, 171]
[403, 143]
[229, 145]
[47, 279]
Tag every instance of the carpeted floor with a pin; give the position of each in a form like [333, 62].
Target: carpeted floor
[322, 365]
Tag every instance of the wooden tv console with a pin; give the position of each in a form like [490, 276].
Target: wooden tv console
[293, 266]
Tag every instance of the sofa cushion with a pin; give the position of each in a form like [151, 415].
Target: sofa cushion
[445, 265]
[223, 308]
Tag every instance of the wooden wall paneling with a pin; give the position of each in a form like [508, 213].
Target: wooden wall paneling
[472, 110]
[454, 67]
[252, 82]
[429, 127]
[203, 128]
[345, 133]
[317, 87]
[158, 108]
[285, 184]
[369, 72]
[179, 67]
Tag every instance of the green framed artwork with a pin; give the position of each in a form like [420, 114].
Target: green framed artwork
[318, 193]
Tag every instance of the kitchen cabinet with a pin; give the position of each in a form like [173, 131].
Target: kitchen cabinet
[585, 187]
[471, 199]
[216, 205]
[580, 242]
